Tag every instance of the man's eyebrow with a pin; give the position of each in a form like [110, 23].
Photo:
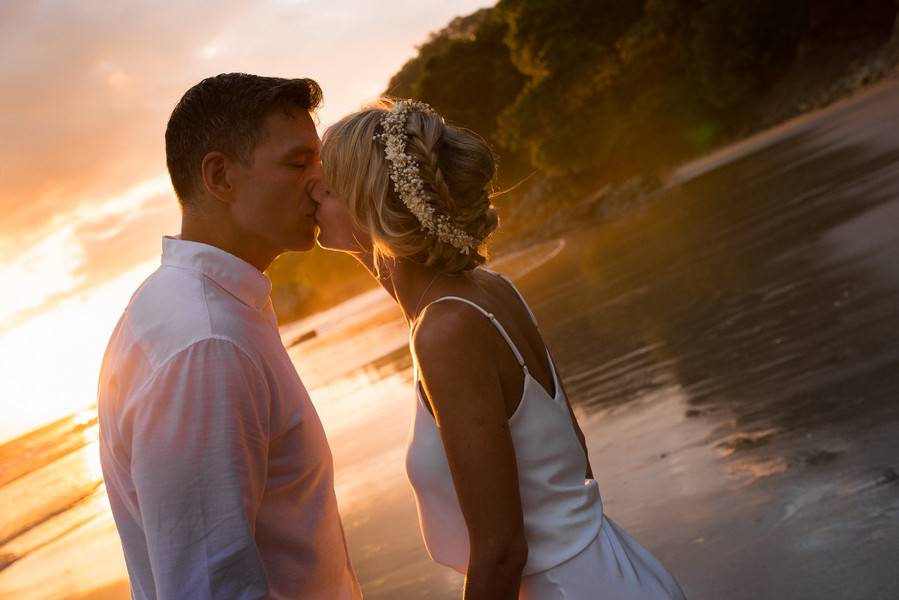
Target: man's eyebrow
[301, 149]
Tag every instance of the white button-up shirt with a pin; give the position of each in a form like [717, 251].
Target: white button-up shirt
[218, 472]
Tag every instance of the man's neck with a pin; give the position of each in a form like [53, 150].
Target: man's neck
[254, 253]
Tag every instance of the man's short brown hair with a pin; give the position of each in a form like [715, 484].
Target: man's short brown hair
[226, 113]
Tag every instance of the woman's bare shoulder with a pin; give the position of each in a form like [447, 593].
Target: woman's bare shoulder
[452, 331]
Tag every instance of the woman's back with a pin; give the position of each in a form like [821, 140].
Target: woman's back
[574, 550]
[562, 510]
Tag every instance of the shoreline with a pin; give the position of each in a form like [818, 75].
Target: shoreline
[614, 202]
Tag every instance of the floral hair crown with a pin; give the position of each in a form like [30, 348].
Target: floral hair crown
[404, 172]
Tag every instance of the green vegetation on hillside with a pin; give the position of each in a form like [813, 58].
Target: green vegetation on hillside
[586, 93]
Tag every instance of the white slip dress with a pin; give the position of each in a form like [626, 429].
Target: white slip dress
[575, 552]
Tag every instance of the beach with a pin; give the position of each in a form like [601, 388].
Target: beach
[729, 349]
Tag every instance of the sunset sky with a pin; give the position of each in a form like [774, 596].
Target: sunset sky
[87, 87]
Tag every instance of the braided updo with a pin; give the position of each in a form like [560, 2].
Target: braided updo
[455, 165]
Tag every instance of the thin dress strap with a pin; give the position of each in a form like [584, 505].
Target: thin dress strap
[517, 291]
[487, 314]
[527, 307]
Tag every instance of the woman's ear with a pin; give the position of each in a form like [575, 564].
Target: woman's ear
[216, 180]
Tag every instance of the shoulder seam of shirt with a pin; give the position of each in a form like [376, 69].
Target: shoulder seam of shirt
[139, 289]
[126, 324]
[210, 337]
[139, 342]
[203, 277]
[158, 368]
[206, 305]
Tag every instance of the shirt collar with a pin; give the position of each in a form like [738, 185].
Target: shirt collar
[238, 277]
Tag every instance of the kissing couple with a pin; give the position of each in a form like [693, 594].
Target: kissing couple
[217, 469]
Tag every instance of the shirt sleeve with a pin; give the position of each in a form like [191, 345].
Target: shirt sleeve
[200, 433]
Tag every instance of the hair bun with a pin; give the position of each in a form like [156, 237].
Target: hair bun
[459, 169]
[456, 169]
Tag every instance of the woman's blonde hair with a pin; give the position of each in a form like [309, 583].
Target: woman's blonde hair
[456, 167]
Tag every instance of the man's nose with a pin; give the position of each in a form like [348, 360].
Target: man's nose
[314, 181]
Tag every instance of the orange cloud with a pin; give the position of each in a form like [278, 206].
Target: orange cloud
[87, 89]
[86, 96]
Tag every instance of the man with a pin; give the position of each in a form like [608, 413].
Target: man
[218, 472]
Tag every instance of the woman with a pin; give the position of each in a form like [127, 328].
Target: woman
[497, 461]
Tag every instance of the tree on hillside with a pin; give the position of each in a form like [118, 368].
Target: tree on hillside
[567, 49]
[624, 87]
[471, 82]
[402, 84]
[738, 45]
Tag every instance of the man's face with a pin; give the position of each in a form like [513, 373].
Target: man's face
[272, 202]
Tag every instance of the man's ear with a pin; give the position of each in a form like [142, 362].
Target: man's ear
[216, 176]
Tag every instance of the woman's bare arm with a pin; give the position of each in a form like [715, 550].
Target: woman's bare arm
[454, 346]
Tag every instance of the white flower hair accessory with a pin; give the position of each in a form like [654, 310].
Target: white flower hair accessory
[407, 182]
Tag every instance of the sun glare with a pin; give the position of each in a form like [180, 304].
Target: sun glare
[49, 364]
[38, 274]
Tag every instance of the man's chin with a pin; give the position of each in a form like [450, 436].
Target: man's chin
[302, 243]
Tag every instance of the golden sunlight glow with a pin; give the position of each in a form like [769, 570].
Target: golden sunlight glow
[49, 365]
[85, 417]
[39, 273]
[54, 328]
[91, 454]
[47, 270]
[85, 196]
[129, 200]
